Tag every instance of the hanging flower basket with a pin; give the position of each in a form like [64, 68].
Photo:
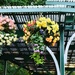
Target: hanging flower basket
[7, 31]
[40, 33]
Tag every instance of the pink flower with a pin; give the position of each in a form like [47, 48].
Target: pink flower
[12, 21]
[10, 27]
[4, 22]
[29, 24]
[6, 17]
[7, 20]
[41, 52]
[1, 19]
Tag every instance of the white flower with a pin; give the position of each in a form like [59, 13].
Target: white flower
[2, 35]
[0, 38]
[1, 43]
[7, 34]
[5, 37]
[8, 42]
[14, 39]
[15, 35]
[10, 39]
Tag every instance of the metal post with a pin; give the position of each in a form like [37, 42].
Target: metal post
[5, 67]
[62, 66]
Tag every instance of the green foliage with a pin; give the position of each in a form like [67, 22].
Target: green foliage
[37, 58]
[37, 40]
[21, 2]
[12, 68]
[39, 2]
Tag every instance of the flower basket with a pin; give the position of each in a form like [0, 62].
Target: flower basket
[40, 33]
[7, 31]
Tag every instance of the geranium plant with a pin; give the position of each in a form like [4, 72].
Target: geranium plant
[7, 31]
[40, 33]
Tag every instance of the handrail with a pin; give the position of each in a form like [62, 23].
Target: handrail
[36, 9]
[67, 48]
[55, 60]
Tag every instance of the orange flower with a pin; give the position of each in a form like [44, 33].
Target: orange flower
[24, 29]
[48, 39]
[33, 22]
[53, 44]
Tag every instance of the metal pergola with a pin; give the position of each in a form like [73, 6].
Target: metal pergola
[19, 52]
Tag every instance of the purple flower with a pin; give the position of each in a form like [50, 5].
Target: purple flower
[36, 51]
[35, 44]
[41, 31]
[41, 52]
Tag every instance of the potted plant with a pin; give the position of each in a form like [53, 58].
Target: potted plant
[7, 31]
[40, 33]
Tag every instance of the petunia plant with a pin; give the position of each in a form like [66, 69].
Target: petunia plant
[7, 31]
[40, 33]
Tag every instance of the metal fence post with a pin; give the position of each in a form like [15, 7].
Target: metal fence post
[62, 66]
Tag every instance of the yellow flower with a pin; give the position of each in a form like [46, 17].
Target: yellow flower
[24, 38]
[28, 33]
[58, 38]
[25, 25]
[53, 44]
[58, 34]
[54, 31]
[57, 27]
[44, 24]
[49, 29]
[38, 24]
[42, 19]
[48, 20]
[29, 22]
[51, 37]
[55, 40]
[53, 22]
